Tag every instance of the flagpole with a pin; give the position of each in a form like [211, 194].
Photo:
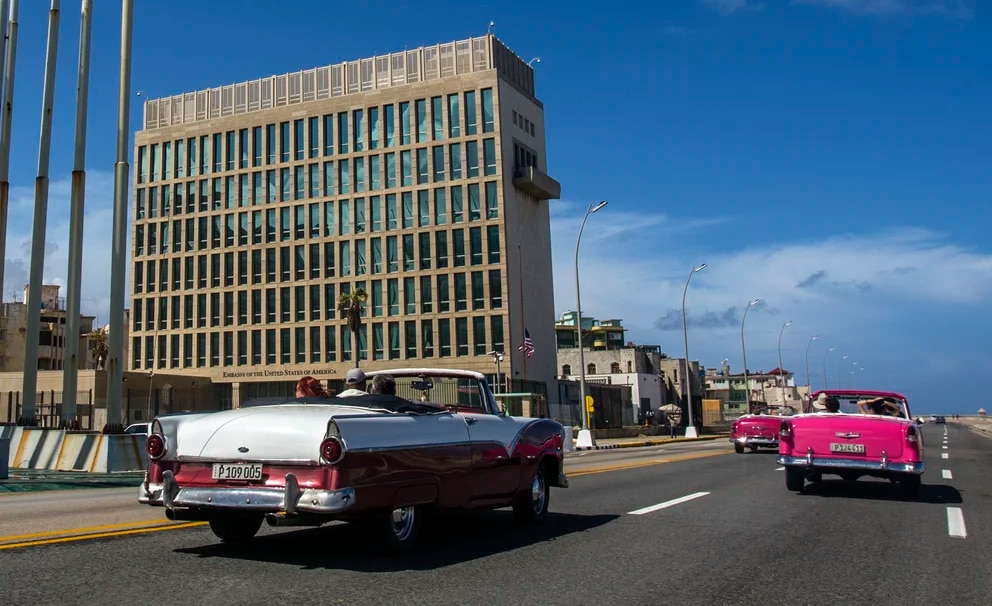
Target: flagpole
[523, 323]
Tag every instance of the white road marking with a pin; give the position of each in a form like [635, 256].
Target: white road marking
[943, 455]
[780, 469]
[955, 523]
[667, 504]
[946, 474]
[944, 446]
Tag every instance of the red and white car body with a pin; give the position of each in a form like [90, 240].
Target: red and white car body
[758, 430]
[380, 459]
[851, 443]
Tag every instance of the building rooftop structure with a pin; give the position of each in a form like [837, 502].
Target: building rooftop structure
[423, 64]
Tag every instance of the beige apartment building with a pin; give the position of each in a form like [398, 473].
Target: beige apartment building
[419, 176]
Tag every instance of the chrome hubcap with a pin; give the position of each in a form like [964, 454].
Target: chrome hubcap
[537, 493]
[402, 520]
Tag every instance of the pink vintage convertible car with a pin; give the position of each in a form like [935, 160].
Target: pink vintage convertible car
[759, 429]
[382, 460]
[852, 434]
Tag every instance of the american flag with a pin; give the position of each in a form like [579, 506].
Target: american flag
[528, 345]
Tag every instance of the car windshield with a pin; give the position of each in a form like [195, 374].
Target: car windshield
[461, 392]
[885, 405]
[775, 411]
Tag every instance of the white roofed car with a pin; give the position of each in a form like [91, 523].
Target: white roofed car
[439, 443]
[141, 428]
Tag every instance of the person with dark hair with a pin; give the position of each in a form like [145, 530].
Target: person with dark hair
[879, 406]
[384, 384]
[309, 387]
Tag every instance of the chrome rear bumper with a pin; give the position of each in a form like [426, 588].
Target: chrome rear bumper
[290, 499]
[859, 464]
[756, 440]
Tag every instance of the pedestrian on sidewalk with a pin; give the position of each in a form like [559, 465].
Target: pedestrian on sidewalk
[673, 427]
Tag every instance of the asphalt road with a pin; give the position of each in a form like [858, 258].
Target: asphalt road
[702, 528]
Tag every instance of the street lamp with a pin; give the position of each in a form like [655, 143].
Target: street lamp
[747, 387]
[825, 354]
[497, 358]
[780, 370]
[533, 61]
[839, 384]
[690, 428]
[151, 379]
[578, 330]
[808, 386]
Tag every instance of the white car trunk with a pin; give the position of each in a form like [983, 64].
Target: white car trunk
[265, 433]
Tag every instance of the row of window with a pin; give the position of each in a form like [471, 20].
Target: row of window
[319, 219]
[358, 130]
[318, 180]
[411, 339]
[523, 122]
[303, 303]
[320, 261]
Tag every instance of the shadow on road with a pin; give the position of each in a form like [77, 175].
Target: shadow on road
[449, 539]
[880, 490]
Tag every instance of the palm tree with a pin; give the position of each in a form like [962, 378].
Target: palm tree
[98, 342]
[351, 304]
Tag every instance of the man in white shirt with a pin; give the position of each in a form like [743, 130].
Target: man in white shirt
[354, 382]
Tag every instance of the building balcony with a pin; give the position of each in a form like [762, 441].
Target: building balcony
[536, 184]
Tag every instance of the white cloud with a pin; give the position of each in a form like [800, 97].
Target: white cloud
[97, 246]
[954, 9]
[731, 6]
[859, 290]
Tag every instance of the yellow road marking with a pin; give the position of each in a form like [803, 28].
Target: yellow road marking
[585, 472]
[100, 535]
[129, 528]
[49, 533]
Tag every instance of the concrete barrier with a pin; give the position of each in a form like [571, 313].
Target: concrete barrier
[78, 452]
[4, 454]
[35, 448]
[126, 453]
[569, 439]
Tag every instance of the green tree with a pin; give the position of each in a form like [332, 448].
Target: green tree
[98, 340]
[351, 303]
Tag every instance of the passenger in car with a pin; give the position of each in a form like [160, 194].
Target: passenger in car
[309, 387]
[825, 403]
[879, 406]
[383, 384]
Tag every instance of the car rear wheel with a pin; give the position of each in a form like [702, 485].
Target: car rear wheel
[399, 530]
[531, 507]
[794, 480]
[738, 448]
[236, 528]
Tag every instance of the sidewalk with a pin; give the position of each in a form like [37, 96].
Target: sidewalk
[641, 441]
[31, 480]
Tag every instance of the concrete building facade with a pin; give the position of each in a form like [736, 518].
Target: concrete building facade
[419, 177]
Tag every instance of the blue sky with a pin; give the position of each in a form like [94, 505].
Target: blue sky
[827, 156]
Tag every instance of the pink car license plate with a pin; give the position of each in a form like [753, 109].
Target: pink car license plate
[847, 448]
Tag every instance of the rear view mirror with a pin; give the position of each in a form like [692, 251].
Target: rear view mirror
[422, 385]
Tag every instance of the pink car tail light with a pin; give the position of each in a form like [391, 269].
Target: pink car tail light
[785, 429]
[331, 450]
[155, 446]
[911, 434]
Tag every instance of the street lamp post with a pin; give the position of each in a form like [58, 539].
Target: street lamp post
[839, 362]
[690, 428]
[151, 385]
[747, 387]
[497, 358]
[808, 386]
[780, 370]
[825, 354]
[585, 436]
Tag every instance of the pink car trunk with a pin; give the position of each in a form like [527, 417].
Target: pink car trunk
[843, 436]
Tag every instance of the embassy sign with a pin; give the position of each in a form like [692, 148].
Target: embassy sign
[284, 372]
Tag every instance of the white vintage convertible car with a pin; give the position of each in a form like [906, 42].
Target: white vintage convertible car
[382, 460]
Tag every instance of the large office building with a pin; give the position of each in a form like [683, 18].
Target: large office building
[419, 177]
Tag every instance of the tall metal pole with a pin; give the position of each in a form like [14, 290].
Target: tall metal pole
[781, 377]
[747, 387]
[70, 376]
[690, 428]
[839, 362]
[578, 319]
[808, 386]
[10, 48]
[118, 267]
[40, 223]
[825, 354]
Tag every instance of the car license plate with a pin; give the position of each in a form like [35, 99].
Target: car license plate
[851, 448]
[237, 471]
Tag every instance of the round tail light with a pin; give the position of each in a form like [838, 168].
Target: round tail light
[331, 450]
[155, 446]
[785, 429]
